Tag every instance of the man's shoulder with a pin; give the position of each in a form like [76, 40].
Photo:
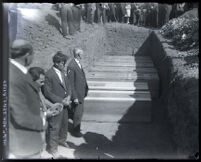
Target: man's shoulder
[49, 72]
[71, 63]
[15, 75]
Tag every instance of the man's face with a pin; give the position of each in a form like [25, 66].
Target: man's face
[41, 80]
[80, 55]
[29, 58]
[61, 65]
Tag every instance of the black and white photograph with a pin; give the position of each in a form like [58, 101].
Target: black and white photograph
[100, 80]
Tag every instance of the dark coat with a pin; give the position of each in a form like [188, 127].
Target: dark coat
[77, 80]
[53, 89]
[25, 122]
[112, 13]
[55, 92]
[67, 19]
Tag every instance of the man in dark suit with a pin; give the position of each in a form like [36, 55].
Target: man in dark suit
[76, 9]
[67, 21]
[57, 90]
[25, 122]
[112, 13]
[79, 89]
[100, 13]
[70, 18]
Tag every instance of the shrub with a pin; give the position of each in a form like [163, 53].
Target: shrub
[183, 31]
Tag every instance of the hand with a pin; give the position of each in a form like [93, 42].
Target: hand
[54, 110]
[55, 113]
[51, 113]
[76, 101]
[58, 107]
[66, 101]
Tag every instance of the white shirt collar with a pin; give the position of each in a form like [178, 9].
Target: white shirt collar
[78, 62]
[58, 73]
[19, 66]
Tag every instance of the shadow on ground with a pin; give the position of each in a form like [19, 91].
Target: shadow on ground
[152, 138]
[145, 140]
[97, 146]
[53, 22]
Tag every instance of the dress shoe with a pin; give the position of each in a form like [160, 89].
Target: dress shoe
[77, 134]
[64, 144]
[56, 155]
[67, 37]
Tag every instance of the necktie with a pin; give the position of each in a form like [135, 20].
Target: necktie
[63, 80]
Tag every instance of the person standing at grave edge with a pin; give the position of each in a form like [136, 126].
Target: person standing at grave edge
[25, 121]
[79, 90]
[57, 90]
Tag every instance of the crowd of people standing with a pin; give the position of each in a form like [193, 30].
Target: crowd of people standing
[153, 15]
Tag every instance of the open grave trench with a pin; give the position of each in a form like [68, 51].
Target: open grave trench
[122, 117]
[121, 81]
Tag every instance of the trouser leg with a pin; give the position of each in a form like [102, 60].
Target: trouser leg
[104, 16]
[53, 132]
[63, 13]
[78, 19]
[78, 113]
[63, 132]
[98, 15]
[70, 21]
[92, 16]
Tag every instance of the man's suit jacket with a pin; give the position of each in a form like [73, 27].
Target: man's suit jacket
[25, 123]
[77, 80]
[53, 89]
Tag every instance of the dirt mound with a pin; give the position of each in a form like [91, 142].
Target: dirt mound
[125, 38]
[43, 31]
[183, 31]
[40, 24]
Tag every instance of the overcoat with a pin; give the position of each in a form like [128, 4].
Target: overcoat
[79, 90]
[25, 122]
[53, 89]
[77, 80]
